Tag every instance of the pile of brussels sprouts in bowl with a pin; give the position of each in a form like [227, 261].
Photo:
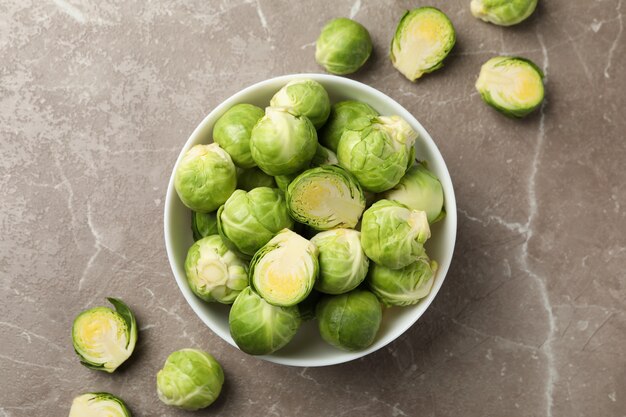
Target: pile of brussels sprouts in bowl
[310, 219]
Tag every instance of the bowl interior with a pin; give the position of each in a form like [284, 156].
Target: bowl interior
[307, 348]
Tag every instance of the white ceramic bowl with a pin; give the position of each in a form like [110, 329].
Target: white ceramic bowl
[307, 348]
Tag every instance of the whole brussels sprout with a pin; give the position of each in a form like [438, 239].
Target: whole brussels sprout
[503, 12]
[260, 328]
[343, 264]
[325, 197]
[511, 85]
[281, 143]
[343, 46]
[419, 189]
[349, 321]
[103, 339]
[305, 98]
[203, 224]
[405, 286]
[377, 150]
[423, 39]
[340, 114]
[393, 235]
[249, 179]
[284, 270]
[250, 219]
[98, 404]
[232, 132]
[205, 178]
[214, 272]
[191, 379]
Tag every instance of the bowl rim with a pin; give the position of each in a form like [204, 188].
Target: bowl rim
[450, 205]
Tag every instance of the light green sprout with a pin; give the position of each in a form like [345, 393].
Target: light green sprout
[511, 85]
[214, 272]
[205, 178]
[191, 379]
[423, 39]
[405, 286]
[503, 12]
[203, 224]
[340, 114]
[343, 46]
[304, 97]
[232, 132]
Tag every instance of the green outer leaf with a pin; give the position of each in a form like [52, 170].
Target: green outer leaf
[340, 114]
[402, 287]
[203, 224]
[304, 97]
[128, 316]
[503, 12]
[232, 132]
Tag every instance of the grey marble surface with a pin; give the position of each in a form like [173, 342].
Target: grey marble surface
[97, 97]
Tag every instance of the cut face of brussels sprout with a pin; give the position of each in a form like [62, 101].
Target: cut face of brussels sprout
[340, 114]
[203, 224]
[304, 98]
[343, 264]
[419, 189]
[349, 321]
[103, 338]
[405, 286]
[249, 220]
[205, 178]
[260, 328]
[392, 235]
[214, 272]
[98, 404]
[190, 379]
[284, 270]
[325, 197]
[511, 85]
[281, 143]
[248, 179]
[377, 150]
[343, 46]
[503, 12]
[232, 132]
[423, 39]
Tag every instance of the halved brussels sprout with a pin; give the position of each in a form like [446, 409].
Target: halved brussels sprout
[281, 143]
[203, 224]
[250, 219]
[205, 178]
[405, 286]
[393, 235]
[191, 379]
[214, 272]
[503, 12]
[305, 98]
[260, 328]
[349, 321]
[340, 114]
[249, 179]
[104, 338]
[419, 189]
[98, 404]
[325, 197]
[343, 264]
[377, 150]
[343, 46]
[284, 270]
[232, 132]
[423, 38]
[511, 85]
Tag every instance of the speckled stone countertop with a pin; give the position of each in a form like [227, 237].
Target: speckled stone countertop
[97, 98]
